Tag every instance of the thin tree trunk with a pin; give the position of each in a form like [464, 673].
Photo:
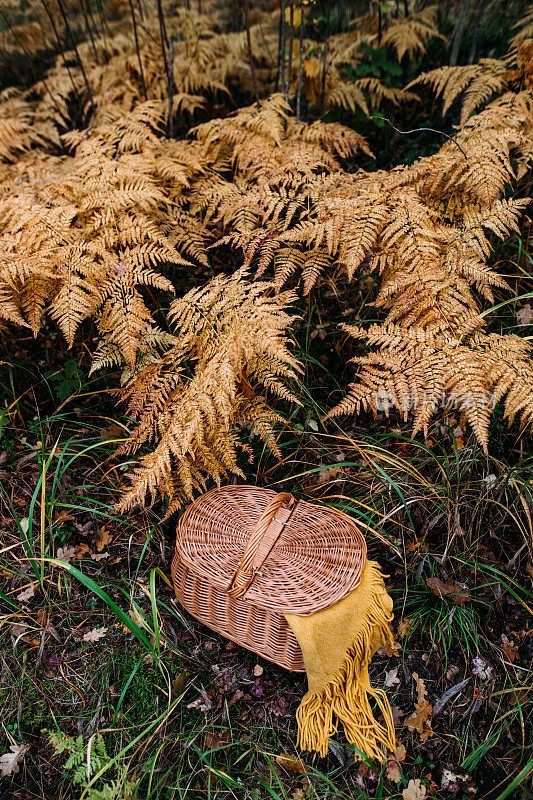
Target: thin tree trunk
[143, 84]
[60, 45]
[380, 24]
[104, 25]
[459, 32]
[300, 65]
[287, 88]
[80, 64]
[170, 88]
[283, 7]
[278, 70]
[163, 34]
[250, 54]
[90, 32]
[325, 63]
[479, 23]
[405, 8]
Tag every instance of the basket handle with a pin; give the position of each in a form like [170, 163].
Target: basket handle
[263, 538]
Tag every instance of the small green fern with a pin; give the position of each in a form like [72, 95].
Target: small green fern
[82, 765]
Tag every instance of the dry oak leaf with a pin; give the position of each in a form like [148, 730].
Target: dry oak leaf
[291, 763]
[62, 515]
[218, 740]
[393, 771]
[104, 538]
[403, 627]
[81, 550]
[66, 554]
[27, 594]
[99, 556]
[415, 790]
[508, 648]
[94, 635]
[10, 762]
[454, 591]
[420, 720]
[524, 315]
[391, 678]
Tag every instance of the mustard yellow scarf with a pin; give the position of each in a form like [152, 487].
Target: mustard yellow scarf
[337, 645]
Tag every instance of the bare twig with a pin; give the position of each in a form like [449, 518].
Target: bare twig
[300, 65]
[325, 64]
[90, 31]
[459, 32]
[170, 88]
[283, 27]
[143, 84]
[250, 54]
[418, 130]
[287, 87]
[163, 33]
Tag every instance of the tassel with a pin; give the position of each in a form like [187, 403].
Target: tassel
[344, 696]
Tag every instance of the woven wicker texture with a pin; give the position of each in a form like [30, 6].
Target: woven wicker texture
[246, 555]
[317, 559]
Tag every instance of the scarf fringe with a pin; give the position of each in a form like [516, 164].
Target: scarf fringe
[346, 696]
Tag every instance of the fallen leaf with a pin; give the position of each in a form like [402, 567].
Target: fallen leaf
[66, 554]
[202, 703]
[524, 315]
[235, 697]
[179, 683]
[397, 715]
[420, 720]
[509, 649]
[291, 763]
[454, 591]
[391, 649]
[99, 556]
[218, 740]
[104, 537]
[10, 762]
[27, 594]
[94, 635]
[258, 670]
[393, 771]
[391, 678]
[451, 672]
[415, 790]
[81, 550]
[42, 617]
[62, 515]
[113, 432]
[403, 627]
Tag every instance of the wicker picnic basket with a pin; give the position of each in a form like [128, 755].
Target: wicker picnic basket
[245, 556]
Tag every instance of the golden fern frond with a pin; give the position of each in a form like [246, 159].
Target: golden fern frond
[349, 96]
[410, 35]
[378, 92]
[480, 81]
[233, 332]
[417, 373]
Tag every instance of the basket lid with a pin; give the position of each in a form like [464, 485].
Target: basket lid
[317, 556]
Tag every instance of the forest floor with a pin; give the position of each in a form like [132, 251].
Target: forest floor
[96, 643]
